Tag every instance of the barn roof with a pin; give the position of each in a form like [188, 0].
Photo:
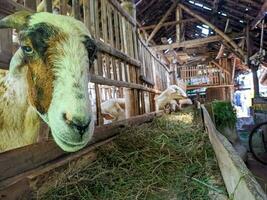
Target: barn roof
[240, 13]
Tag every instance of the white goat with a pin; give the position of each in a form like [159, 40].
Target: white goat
[113, 109]
[171, 93]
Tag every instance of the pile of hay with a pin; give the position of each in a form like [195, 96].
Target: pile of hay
[170, 158]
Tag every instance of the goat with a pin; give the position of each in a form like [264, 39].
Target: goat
[171, 93]
[48, 79]
[113, 109]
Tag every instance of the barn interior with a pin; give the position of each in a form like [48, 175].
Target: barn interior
[213, 50]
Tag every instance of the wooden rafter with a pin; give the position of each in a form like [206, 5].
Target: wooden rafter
[159, 25]
[191, 43]
[260, 15]
[237, 50]
[170, 23]
[220, 67]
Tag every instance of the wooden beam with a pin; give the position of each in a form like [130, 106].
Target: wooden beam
[192, 87]
[178, 26]
[17, 6]
[220, 67]
[184, 21]
[118, 7]
[118, 54]
[260, 16]
[156, 29]
[190, 43]
[105, 81]
[221, 33]
[170, 23]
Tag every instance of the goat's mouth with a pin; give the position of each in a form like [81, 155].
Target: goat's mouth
[71, 144]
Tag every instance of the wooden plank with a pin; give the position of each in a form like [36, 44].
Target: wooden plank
[118, 54]
[220, 67]
[118, 7]
[31, 4]
[99, 118]
[192, 43]
[76, 9]
[171, 23]
[9, 7]
[104, 81]
[26, 158]
[104, 23]
[64, 7]
[86, 14]
[239, 181]
[48, 6]
[260, 15]
[211, 85]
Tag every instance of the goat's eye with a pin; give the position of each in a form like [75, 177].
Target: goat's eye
[27, 49]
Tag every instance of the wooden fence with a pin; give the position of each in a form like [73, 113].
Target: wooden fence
[214, 74]
[123, 61]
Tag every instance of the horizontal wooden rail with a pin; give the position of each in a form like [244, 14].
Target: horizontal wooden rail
[17, 161]
[191, 87]
[105, 81]
[116, 53]
[239, 182]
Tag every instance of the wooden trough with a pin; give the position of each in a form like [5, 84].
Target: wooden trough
[25, 169]
[239, 181]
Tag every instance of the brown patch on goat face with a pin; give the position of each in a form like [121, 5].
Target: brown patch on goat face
[40, 79]
[41, 75]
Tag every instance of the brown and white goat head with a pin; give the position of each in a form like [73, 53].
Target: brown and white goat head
[56, 52]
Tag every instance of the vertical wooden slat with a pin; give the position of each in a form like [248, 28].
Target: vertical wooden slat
[63, 7]
[48, 6]
[30, 4]
[76, 9]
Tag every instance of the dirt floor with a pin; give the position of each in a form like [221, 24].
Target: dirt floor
[170, 158]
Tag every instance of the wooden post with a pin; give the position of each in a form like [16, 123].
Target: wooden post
[253, 68]
[178, 26]
[130, 97]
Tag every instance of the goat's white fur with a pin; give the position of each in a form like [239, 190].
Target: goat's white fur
[172, 92]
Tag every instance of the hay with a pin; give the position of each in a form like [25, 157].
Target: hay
[170, 158]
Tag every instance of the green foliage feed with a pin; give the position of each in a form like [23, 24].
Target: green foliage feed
[224, 114]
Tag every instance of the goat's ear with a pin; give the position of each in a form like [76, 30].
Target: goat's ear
[91, 47]
[16, 21]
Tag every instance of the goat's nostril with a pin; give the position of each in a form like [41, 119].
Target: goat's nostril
[80, 125]
[67, 117]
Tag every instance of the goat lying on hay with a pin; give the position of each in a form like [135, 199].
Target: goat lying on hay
[48, 77]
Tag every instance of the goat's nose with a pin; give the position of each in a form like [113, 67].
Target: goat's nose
[77, 122]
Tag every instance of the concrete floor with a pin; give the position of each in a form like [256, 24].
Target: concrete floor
[259, 170]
